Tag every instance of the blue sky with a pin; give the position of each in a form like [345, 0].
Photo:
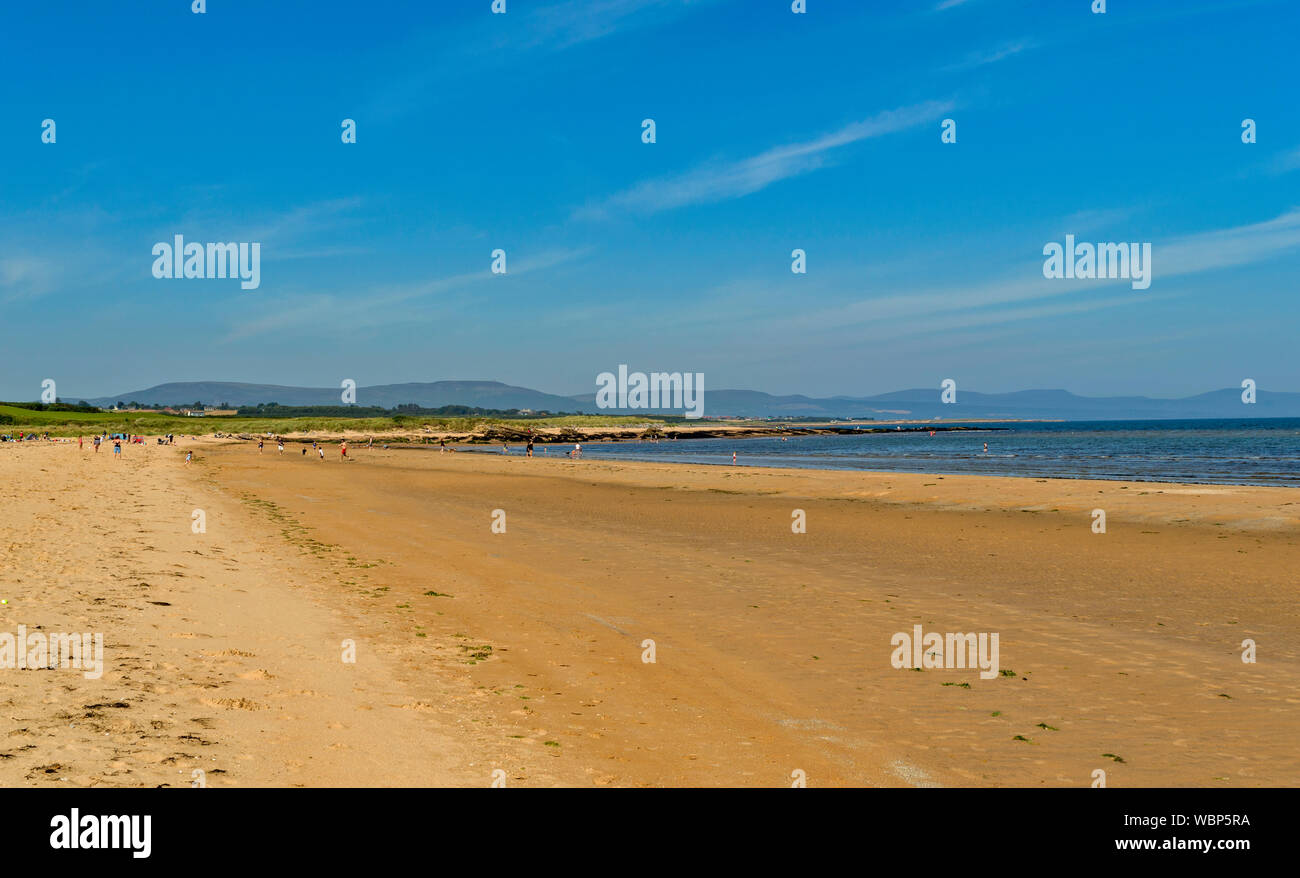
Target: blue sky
[775, 131]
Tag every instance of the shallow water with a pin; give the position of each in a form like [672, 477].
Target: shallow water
[1237, 452]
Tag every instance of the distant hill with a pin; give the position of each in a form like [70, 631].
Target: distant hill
[924, 403]
[480, 394]
[919, 403]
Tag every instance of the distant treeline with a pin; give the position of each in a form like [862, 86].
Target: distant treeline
[52, 406]
[275, 410]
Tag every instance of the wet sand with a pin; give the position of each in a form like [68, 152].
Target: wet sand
[523, 651]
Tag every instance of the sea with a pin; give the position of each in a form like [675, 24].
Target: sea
[1216, 452]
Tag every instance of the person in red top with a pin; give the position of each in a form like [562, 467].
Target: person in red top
[343, 451]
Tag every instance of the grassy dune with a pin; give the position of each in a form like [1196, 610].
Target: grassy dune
[144, 423]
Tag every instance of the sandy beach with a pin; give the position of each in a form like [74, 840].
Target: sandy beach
[521, 651]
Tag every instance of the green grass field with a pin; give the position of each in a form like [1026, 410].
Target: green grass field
[145, 423]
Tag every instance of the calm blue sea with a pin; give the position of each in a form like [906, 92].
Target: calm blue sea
[1233, 452]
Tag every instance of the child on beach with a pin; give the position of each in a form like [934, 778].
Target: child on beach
[320, 450]
[117, 449]
[189, 455]
[343, 452]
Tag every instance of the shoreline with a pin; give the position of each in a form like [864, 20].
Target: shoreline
[928, 472]
[483, 448]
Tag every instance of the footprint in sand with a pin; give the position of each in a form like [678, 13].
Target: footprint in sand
[234, 703]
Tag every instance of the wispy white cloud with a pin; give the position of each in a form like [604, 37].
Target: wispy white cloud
[727, 180]
[1184, 255]
[304, 221]
[992, 56]
[25, 277]
[562, 25]
[1288, 161]
[1086, 221]
[762, 309]
[383, 306]
[487, 42]
[42, 253]
[1228, 248]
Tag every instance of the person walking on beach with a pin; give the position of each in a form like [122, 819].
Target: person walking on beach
[343, 452]
[96, 444]
[80, 443]
[280, 444]
[320, 449]
[117, 449]
[259, 446]
[189, 455]
[528, 452]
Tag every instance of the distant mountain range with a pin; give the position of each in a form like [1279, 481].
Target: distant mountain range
[918, 403]
[909, 404]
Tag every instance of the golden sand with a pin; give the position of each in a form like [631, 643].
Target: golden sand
[522, 651]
